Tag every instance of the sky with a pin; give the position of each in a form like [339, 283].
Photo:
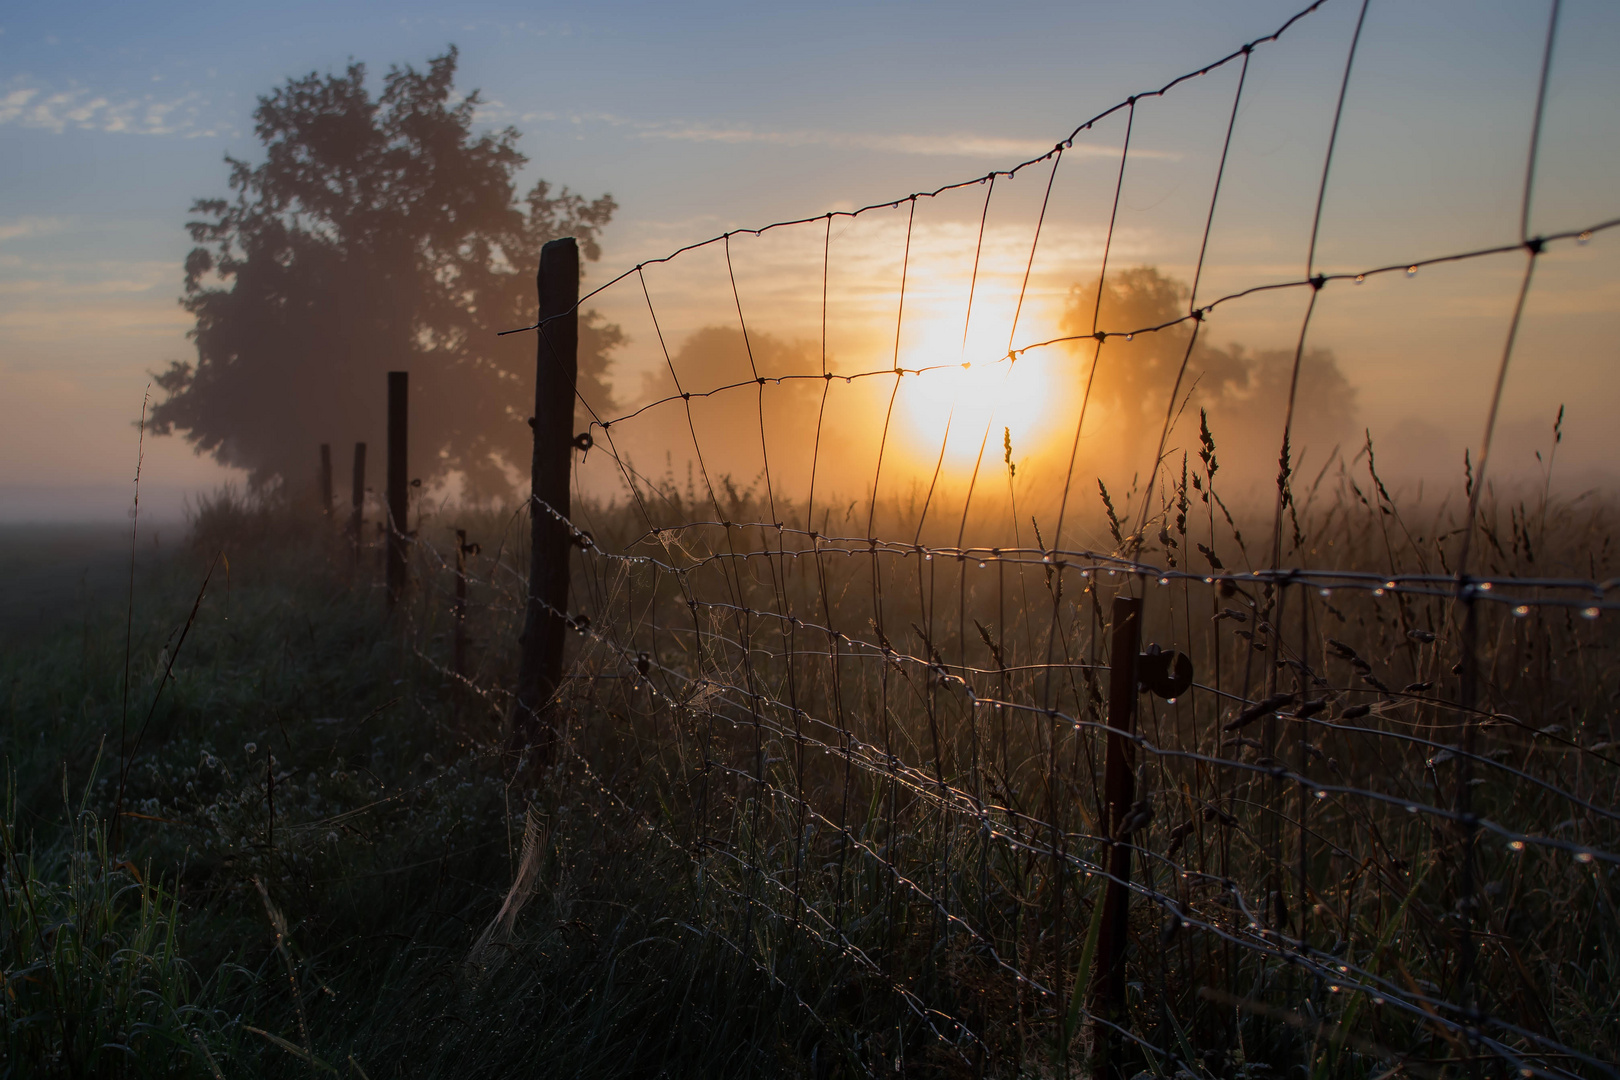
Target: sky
[700, 118]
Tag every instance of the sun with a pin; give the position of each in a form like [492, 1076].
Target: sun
[952, 411]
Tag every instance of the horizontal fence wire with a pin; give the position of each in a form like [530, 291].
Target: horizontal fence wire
[1374, 825]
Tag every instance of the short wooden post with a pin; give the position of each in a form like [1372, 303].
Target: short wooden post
[545, 619]
[326, 479]
[459, 652]
[398, 481]
[1119, 790]
[357, 498]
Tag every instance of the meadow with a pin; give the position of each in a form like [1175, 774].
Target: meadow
[824, 806]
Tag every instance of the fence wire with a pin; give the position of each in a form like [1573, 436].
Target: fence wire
[1374, 827]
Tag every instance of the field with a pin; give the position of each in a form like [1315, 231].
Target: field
[751, 846]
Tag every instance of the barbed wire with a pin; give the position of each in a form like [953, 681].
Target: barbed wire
[862, 746]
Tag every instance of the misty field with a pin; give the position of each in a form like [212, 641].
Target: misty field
[814, 806]
[1129, 614]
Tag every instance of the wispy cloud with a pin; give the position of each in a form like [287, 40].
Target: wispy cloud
[30, 226]
[998, 148]
[950, 145]
[28, 105]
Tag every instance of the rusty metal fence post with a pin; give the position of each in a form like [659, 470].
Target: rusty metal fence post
[1119, 794]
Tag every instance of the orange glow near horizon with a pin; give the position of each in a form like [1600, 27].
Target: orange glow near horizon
[971, 400]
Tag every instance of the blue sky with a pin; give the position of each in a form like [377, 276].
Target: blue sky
[701, 117]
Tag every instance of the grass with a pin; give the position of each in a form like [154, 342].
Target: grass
[767, 851]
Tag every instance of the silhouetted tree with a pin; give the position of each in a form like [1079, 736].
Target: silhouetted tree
[377, 233]
[1245, 392]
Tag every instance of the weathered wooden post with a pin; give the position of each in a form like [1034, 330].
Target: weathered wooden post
[357, 498]
[1119, 791]
[398, 481]
[326, 479]
[545, 619]
[459, 651]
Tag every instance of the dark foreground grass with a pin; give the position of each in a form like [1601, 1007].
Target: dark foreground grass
[321, 861]
[315, 834]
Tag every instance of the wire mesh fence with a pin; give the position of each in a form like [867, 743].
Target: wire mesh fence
[1058, 775]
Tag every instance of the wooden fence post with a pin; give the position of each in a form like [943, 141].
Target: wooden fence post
[398, 481]
[326, 479]
[544, 622]
[459, 650]
[1119, 792]
[357, 498]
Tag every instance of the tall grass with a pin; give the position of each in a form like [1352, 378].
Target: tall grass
[95, 982]
[764, 849]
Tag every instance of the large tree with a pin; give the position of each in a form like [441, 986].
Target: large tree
[378, 233]
[1245, 392]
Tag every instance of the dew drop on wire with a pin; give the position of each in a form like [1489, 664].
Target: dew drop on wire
[1583, 856]
[1360, 278]
[982, 564]
[928, 557]
[1515, 845]
[1521, 611]
[1324, 592]
[1130, 337]
[1590, 613]
[1584, 238]
[1411, 271]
